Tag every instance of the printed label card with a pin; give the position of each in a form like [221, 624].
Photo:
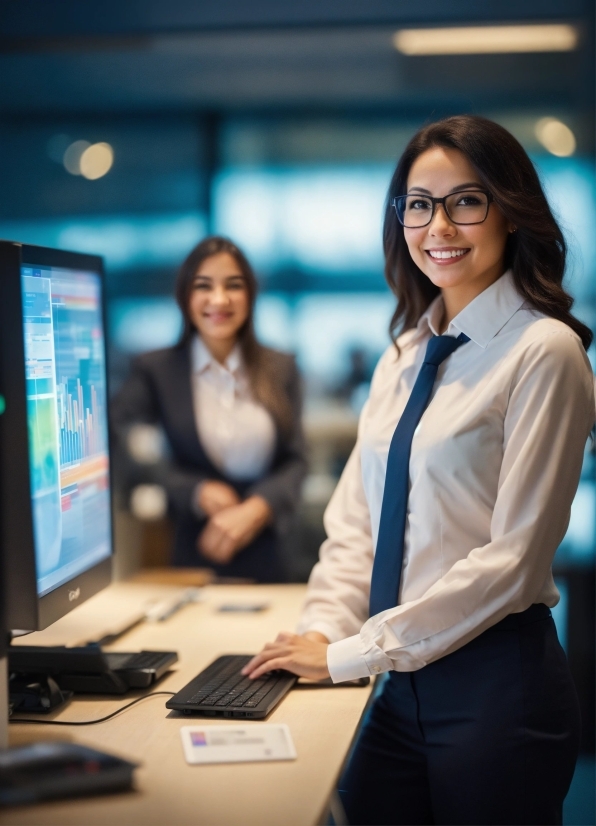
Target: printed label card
[237, 744]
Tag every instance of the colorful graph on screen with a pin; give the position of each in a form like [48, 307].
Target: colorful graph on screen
[66, 403]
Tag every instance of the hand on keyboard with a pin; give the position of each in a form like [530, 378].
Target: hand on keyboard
[291, 652]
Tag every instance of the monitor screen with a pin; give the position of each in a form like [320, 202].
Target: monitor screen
[67, 421]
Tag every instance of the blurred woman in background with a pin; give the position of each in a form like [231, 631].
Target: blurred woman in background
[231, 412]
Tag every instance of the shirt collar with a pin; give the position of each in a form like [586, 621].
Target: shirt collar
[431, 317]
[483, 317]
[203, 360]
[489, 312]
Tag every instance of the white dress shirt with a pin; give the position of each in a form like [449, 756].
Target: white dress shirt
[236, 432]
[495, 464]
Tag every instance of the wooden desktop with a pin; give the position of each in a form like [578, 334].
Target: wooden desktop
[323, 720]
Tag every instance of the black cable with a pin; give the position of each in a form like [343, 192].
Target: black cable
[89, 722]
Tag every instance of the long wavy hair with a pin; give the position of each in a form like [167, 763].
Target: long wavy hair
[535, 253]
[264, 382]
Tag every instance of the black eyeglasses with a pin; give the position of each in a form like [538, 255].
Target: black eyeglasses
[466, 207]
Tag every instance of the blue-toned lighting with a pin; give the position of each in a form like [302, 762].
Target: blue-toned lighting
[124, 240]
[141, 324]
[326, 219]
[560, 611]
[273, 322]
[328, 326]
[581, 532]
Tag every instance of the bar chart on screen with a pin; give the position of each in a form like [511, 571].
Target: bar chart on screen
[66, 399]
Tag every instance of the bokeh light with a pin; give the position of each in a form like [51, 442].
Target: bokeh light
[96, 161]
[72, 156]
[91, 160]
[556, 137]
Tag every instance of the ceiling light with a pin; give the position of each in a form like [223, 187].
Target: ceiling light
[487, 39]
[555, 136]
[96, 161]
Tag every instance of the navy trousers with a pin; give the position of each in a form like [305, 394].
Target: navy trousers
[486, 735]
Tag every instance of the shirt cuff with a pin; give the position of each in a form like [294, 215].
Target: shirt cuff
[345, 662]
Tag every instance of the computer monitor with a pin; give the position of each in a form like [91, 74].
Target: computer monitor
[55, 509]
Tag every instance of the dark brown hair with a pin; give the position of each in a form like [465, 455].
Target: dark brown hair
[535, 253]
[264, 383]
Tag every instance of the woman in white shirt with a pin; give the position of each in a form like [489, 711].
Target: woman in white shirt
[478, 720]
[231, 412]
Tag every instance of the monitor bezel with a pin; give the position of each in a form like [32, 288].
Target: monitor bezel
[25, 610]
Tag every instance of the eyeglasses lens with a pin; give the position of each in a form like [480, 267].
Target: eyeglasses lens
[462, 208]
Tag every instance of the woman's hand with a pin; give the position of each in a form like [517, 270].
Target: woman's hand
[233, 528]
[214, 496]
[305, 656]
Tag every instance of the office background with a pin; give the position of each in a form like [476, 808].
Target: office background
[134, 130]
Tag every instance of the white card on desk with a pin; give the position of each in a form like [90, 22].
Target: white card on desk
[237, 744]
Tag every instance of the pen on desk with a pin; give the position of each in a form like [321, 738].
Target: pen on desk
[163, 610]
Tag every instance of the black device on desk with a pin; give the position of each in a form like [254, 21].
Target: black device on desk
[222, 691]
[43, 771]
[85, 670]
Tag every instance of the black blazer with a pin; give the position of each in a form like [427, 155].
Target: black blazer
[159, 391]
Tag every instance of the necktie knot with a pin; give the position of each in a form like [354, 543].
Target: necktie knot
[440, 347]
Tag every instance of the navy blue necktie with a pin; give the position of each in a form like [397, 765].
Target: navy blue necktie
[389, 555]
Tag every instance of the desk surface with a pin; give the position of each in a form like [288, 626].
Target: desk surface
[323, 721]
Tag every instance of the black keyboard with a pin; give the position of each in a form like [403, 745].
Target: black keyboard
[222, 691]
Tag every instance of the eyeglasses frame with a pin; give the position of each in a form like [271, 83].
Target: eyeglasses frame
[442, 201]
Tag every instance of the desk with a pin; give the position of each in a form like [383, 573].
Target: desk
[323, 721]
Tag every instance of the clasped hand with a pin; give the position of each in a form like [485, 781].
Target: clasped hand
[232, 524]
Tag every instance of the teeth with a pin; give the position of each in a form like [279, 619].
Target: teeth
[446, 253]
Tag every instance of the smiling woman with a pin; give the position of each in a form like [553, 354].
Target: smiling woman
[230, 409]
[442, 530]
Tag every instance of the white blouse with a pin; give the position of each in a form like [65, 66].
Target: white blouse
[495, 464]
[236, 432]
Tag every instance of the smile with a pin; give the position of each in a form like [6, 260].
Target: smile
[440, 255]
